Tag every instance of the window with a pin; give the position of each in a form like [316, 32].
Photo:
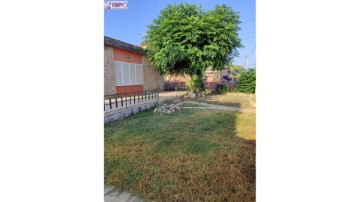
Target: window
[128, 74]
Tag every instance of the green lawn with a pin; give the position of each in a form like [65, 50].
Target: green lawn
[242, 100]
[194, 155]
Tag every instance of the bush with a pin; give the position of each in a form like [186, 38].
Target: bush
[246, 82]
[189, 85]
[221, 88]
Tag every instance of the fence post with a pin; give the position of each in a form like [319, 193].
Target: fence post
[148, 95]
[110, 103]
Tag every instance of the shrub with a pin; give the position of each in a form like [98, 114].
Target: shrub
[221, 88]
[189, 85]
[246, 82]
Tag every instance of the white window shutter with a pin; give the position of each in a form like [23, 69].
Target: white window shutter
[126, 74]
[132, 74]
[118, 73]
[138, 74]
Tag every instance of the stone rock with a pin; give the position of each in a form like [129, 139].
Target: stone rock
[167, 109]
[192, 95]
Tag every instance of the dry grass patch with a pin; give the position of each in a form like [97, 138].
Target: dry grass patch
[195, 155]
[190, 105]
[242, 100]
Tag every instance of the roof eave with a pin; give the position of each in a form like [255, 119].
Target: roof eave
[123, 45]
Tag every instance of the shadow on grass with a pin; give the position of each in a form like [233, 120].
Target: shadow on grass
[209, 101]
[195, 155]
[239, 100]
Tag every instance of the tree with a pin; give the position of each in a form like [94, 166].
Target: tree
[186, 39]
[236, 70]
[247, 81]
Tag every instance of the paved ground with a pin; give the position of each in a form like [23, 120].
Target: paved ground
[169, 95]
[112, 194]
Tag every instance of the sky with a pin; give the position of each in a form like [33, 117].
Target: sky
[130, 25]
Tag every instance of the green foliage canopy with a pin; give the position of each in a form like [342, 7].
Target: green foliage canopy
[236, 69]
[186, 39]
[247, 81]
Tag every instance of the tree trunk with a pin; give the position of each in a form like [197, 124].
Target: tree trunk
[198, 84]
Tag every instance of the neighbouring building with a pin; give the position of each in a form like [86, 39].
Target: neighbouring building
[211, 79]
[127, 70]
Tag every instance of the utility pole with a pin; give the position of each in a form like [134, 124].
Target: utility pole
[247, 61]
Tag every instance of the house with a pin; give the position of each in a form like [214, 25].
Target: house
[127, 70]
[172, 81]
[211, 79]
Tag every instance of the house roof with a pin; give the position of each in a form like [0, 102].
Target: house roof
[120, 44]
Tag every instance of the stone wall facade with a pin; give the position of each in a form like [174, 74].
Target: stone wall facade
[109, 71]
[152, 78]
[122, 113]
